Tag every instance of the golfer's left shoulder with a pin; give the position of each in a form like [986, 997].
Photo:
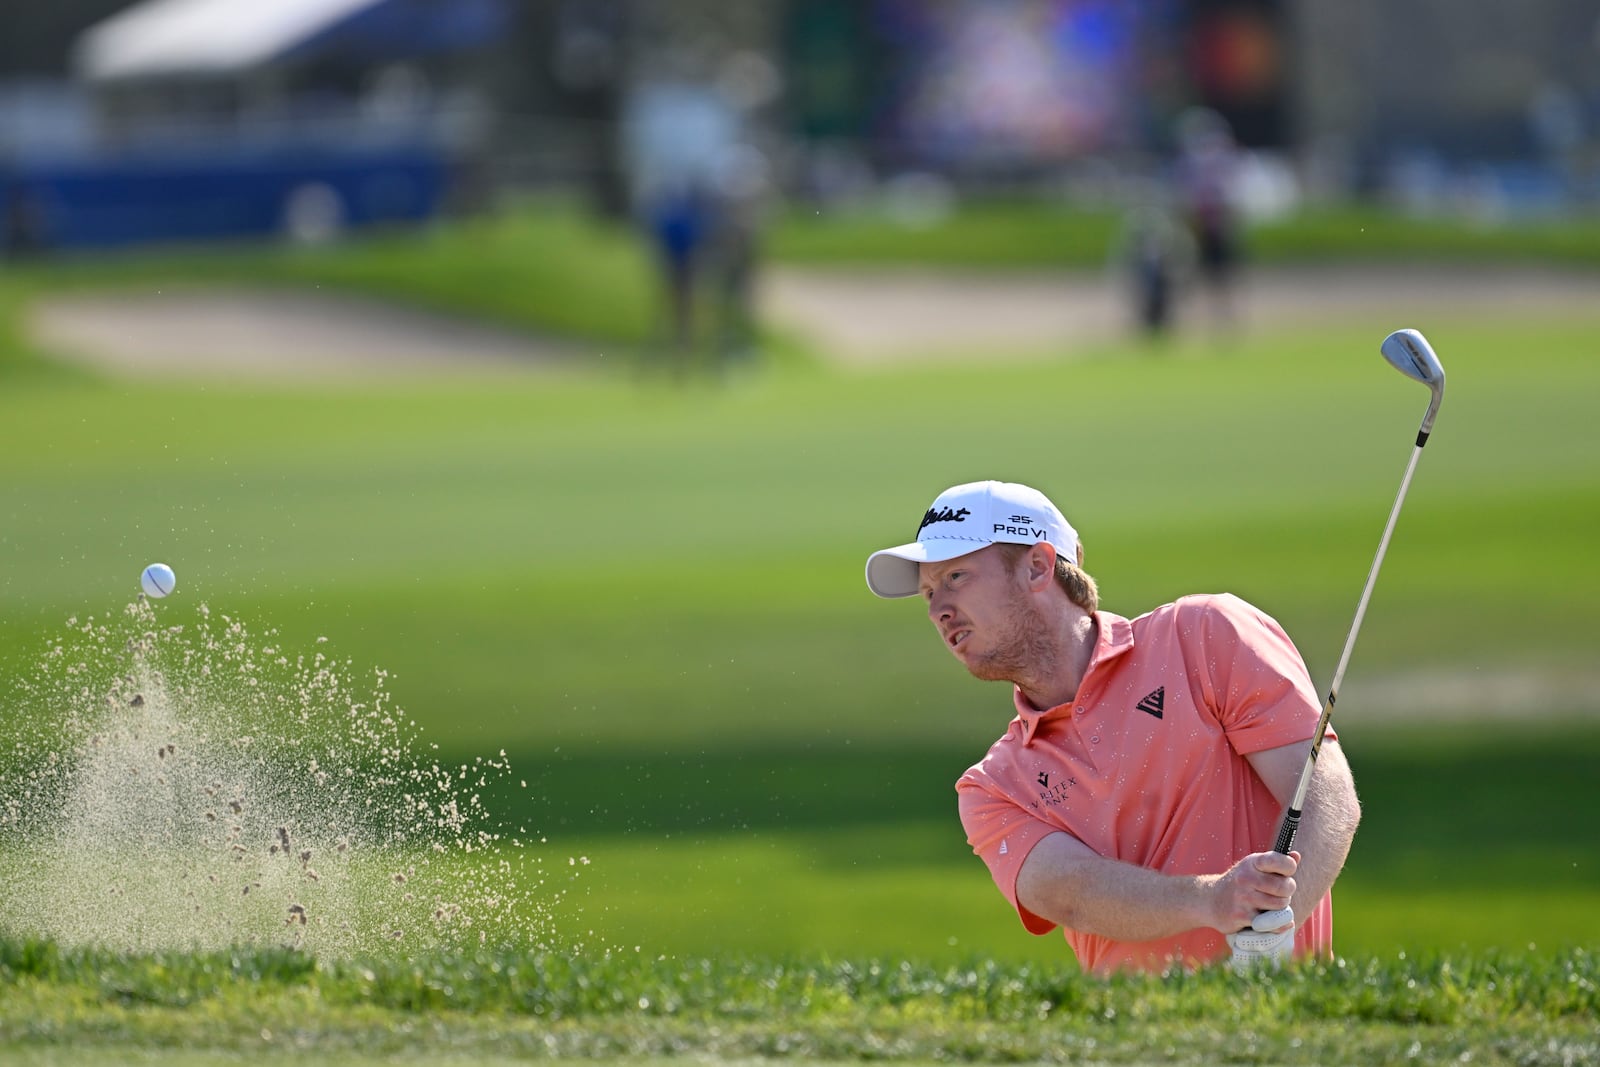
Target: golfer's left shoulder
[1221, 620]
[1226, 609]
[1187, 617]
[1227, 603]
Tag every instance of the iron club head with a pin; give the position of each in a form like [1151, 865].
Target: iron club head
[1409, 353]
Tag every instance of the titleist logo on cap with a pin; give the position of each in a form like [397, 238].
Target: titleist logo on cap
[943, 515]
[987, 512]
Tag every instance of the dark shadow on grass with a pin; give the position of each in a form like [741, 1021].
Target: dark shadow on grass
[1439, 790]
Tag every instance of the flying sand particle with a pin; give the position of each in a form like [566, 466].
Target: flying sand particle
[247, 725]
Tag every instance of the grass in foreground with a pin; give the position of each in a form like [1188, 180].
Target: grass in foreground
[249, 1004]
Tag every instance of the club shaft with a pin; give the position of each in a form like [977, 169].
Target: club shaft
[1291, 819]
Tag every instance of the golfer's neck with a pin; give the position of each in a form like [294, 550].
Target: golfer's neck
[1054, 679]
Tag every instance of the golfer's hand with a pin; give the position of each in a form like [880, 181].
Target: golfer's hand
[1252, 948]
[1261, 882]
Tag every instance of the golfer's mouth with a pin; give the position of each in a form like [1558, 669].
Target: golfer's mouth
[955, 637]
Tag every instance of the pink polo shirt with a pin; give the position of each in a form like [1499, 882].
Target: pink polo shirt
[1147, 765]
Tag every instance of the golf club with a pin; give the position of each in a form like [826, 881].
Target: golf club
[1409, 353]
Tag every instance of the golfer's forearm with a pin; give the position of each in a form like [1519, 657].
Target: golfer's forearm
[1118, 900]
[1327, 827]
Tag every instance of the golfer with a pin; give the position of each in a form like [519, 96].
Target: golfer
[1150, 760]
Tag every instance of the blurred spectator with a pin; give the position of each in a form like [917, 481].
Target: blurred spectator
[742, 187]
[1207, 170]
[1556, 123]
[675, 132]
[678, 216]
[1156, 255]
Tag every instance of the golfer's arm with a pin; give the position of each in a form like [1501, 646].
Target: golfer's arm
[1327, 822]
[1067, 882]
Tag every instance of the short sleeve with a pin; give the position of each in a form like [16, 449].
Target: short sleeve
[1002, 835]
[1255, 679]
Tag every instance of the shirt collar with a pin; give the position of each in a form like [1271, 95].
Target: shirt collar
[1114, 638]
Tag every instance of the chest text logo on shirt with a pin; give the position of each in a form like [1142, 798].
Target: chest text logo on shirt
[1051, 795]
[1153, 702]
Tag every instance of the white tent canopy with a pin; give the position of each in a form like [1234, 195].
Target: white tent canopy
[199, 37]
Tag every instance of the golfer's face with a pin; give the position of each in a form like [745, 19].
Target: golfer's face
[973, 603]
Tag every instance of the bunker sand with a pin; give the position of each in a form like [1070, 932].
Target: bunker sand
[855, 318]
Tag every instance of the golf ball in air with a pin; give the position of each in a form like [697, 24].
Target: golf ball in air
[158, 580]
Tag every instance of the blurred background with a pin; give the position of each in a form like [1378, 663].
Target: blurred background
[565, 358]
[312, 116]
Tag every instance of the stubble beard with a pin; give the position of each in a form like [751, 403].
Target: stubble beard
[1022, 649]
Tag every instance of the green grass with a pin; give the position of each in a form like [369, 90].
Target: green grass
[535, 559]
[988, 235]
[552, 269]
[651, 598]
[1356, 234]
[1463, 848]
[261, 1005]
[547, 267]
[532, 560]
[1042, 235]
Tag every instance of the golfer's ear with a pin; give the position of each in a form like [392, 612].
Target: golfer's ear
[1041, 565]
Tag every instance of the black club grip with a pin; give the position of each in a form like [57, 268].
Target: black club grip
[1286, 832]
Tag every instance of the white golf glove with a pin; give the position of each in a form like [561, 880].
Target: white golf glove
[1259, 946]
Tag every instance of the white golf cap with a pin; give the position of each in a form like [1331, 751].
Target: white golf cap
[964, 519]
